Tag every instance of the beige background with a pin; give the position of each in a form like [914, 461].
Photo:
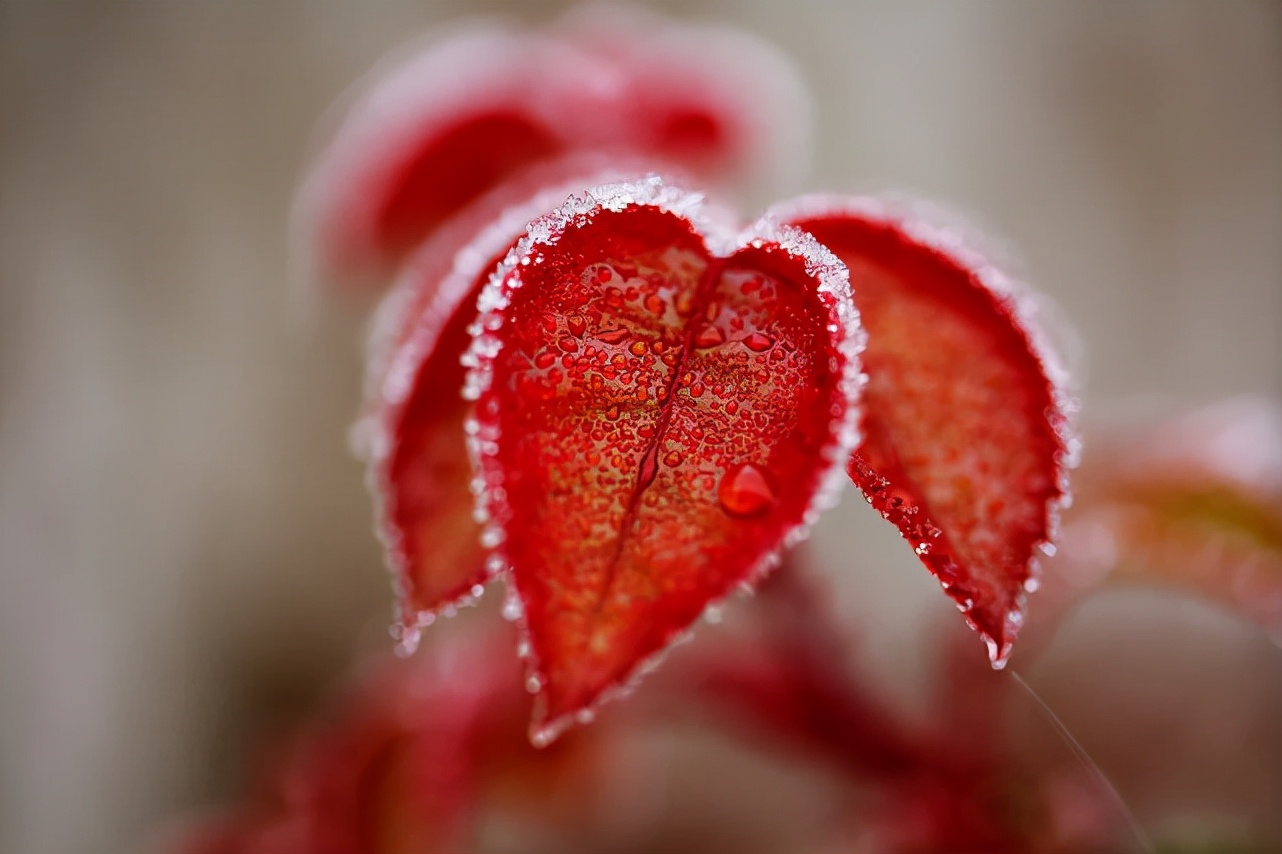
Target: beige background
[185, 545]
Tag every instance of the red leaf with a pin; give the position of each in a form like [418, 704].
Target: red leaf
[435, 132]
[656, 417]
[710, 100]
[1195, 501]
[422, 139]
[419, 469]
[965, 446]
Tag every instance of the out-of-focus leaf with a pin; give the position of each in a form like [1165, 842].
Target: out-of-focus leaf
[404, 763]
[438, 126]
[1195, 501]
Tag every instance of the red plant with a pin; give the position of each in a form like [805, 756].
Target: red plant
[656, 404]
[598, 387]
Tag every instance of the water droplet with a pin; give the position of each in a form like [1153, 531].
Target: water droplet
[758, 342]
[745, 491]
[545, 359]
[585, 716]
[534, 683]
[638, 348]
[568, 344]
[709, 336]
[712, 614]
[576, 324]
[512, 609]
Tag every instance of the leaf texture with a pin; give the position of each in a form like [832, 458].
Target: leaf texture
[659, 411]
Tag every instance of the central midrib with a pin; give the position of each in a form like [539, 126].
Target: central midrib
[648, 469]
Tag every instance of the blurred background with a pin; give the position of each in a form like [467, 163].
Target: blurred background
[185, 539]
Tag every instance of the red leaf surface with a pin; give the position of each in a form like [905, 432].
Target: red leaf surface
[433, 130]
[413, 436]
[656, 416]
[965, 447]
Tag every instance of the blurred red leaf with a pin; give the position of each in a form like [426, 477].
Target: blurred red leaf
[656, 417]
[406, 761]
[1195, 501]
[965, 446]
[439, 126]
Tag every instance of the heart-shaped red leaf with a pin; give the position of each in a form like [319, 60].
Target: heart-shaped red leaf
[965, 426]
[656, 417]
[413, 435]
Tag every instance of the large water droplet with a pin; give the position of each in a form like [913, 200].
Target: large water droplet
[758, 342]
[745, 491]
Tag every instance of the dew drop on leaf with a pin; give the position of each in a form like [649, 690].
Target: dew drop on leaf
[745, 491]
